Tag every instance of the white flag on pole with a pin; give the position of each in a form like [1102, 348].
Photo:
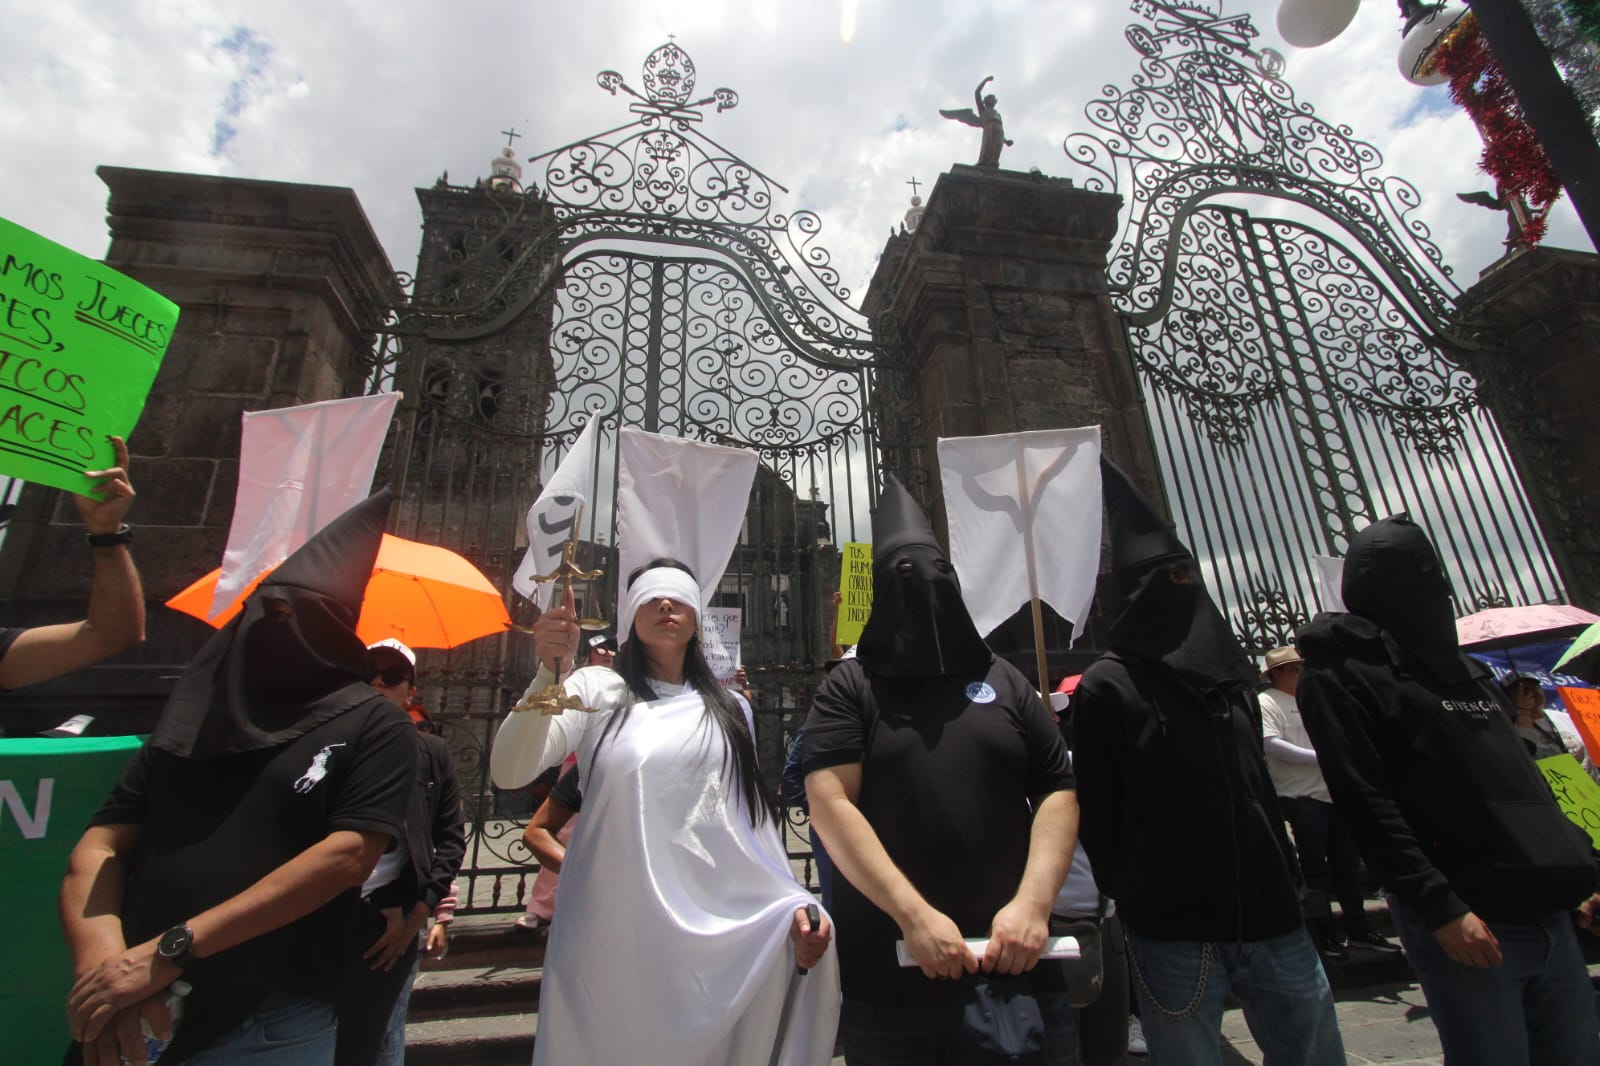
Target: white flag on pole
[679, 498]
[552, 516]
[1024, 513]
[299, 469]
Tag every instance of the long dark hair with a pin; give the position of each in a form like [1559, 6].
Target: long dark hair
[720, 706]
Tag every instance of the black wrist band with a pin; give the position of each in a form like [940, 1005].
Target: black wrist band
[111, 540]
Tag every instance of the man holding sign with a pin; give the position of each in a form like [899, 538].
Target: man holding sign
[941, 788]
[1483, 869]
[115, 618]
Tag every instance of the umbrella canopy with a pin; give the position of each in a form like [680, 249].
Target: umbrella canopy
[421, 594]
[1505, 623]
[1582, 659]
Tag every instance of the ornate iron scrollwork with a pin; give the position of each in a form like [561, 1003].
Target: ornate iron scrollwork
[1271, 617]
[1306, 366]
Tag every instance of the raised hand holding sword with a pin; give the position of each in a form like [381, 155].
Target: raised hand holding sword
[555, 634]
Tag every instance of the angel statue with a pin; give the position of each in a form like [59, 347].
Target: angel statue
[987, 118]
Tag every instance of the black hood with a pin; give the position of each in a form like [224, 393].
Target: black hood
[919, 626]
[1161, 620]
[272, 673]
[1394, 579]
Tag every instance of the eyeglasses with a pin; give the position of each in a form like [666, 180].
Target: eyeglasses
[392, 675]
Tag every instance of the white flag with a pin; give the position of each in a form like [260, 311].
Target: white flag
[553, 514]
[1024, 512]
[682, 499]
[299, 469]
[1330, 581]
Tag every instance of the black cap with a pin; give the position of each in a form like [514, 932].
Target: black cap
[1141, 536]
[899, 520]
[338, 561]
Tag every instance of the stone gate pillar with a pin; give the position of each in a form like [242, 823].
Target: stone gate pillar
[1543, 387]
[998, 302]
[280, 286]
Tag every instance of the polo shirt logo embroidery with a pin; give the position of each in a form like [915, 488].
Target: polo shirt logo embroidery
[316, 771]
[981, 692]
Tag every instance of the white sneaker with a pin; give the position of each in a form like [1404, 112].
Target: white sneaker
[1136, 1044]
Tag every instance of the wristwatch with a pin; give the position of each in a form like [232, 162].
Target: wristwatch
[111, 540]
[176, 946]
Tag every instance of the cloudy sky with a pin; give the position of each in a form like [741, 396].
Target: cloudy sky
[839, 99]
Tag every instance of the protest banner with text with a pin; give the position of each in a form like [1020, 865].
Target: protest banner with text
[855, 583]
[1583, 704]
[1575, 792]
[80, 345]
[719, 636]
[48, 791]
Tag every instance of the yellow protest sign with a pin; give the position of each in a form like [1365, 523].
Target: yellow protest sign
[1575, 791]
[80, 345]
[1583, 704]
[855, 583]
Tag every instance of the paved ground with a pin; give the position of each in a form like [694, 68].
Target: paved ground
[1386, 1024]
[1382, 1023]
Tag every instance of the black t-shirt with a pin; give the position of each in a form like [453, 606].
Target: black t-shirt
[948, 765]
[212, 828]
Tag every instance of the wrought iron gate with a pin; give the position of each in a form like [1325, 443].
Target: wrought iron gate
[642, 277]
[1293, 325]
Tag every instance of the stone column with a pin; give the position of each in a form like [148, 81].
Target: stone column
[280, 287]
[1540, 381]
[999, 307]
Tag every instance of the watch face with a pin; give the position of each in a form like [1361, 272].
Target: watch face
[174, 943]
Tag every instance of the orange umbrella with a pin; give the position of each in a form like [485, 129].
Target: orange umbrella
[420, 594]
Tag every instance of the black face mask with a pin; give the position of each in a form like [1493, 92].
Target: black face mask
[919, 626]
[1177, 624]
[267, 677]
[1393, 577]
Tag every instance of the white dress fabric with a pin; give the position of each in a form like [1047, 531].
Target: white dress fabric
[672, 946]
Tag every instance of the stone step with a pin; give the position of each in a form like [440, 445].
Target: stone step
[490, 940]
[494, 1040]
[475, 992]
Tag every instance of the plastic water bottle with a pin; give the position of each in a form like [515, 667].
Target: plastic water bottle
[155, 1046]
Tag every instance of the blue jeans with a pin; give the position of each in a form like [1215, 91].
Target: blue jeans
[922, 1034]
[1288, 1005]
[1328, 857]
[392, 1052]
[286, 1031]
[1535, 1009]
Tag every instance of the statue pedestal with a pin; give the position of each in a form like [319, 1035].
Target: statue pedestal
[278, 285]
[1545, 394]
[998, 306]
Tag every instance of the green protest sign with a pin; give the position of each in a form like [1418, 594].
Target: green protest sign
[80, 345]
[1575, 791]
[48, 791]
[855, 582]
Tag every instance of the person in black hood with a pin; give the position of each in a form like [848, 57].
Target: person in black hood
[1482, 868]
[922, 755]
[230, 852]
[1180, 816]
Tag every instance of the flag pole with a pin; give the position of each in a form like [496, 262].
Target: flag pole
[1025, 501]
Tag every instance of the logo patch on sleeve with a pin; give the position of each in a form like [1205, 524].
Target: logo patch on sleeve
[981, 692]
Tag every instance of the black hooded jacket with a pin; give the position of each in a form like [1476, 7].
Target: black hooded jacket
[1178, 812]
[1417, 746]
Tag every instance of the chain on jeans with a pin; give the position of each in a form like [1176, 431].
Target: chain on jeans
[1200, 990]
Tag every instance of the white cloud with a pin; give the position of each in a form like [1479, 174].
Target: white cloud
[382, 97]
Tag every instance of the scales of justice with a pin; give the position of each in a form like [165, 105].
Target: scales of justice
[554, 699]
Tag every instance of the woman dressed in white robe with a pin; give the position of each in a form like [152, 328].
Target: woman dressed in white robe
[680, 920]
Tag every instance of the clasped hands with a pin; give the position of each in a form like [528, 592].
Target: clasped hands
[1016, 937]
